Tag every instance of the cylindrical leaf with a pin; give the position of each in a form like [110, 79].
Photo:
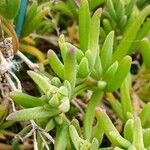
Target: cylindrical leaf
[145, 113]
[138, 134]
[84, 21]
[56, 64]
[90, 113]
[107, 25]
[93, 43]
[83, 69]
[110, 72]
[10, 8]
[111, 9]
[121, 142]
[120, 75]
[128, 130]
[62, 137]
[70, 67]
[125, 98]
[75, 137]
[116, 106]
[32, 113]
[110, 130]
[106, 51]
[146, 137]
[41, 81]
[130, 35]
[26, 100]
[145, 49]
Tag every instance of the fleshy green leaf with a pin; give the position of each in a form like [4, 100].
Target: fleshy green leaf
[41, 81]
[130, 6]
[125, 98]
[120, 10]
[31, 12]
[144, 115]
[79, 53]
[145, 49]
[70, 67]
[98, 132]
[107, 25]
[138, 134]
[93, 43]
[56, 64]
[116, 106]
[63, 8]
[65, 105]
[89, 115]
[84, 21]
[76, 124]
[111, 9]
[26, 100]
[128, 130]
[130, 35]
[143, 31]
[120, 75]
[97, 68]
[32, 113]
[62, 137]
[63, 46]
[110, 130]
[110, 72]
[94, 144]
[9, 8]
[50, 125]
[106, 51]
[75, 137]
[121, 142]
[83, 69]
[146, 137]
[34, 23]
